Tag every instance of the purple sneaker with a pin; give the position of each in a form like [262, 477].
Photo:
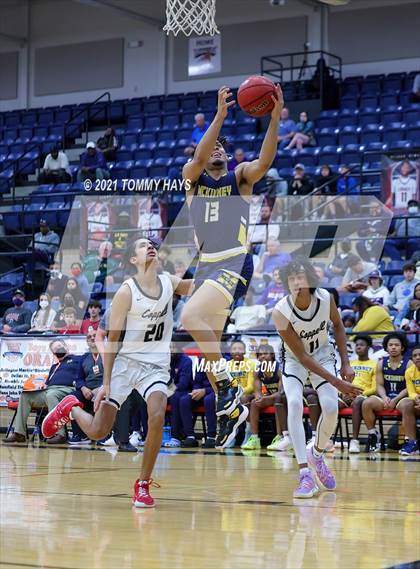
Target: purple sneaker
[324, 475]
[307, 487]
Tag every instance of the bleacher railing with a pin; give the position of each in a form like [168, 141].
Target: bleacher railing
[87, 114]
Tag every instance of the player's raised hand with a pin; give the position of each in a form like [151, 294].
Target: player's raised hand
[222, 102]
[278, 103]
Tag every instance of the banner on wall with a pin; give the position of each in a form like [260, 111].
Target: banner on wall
[204, 55]
[22, 357]
[400, 179]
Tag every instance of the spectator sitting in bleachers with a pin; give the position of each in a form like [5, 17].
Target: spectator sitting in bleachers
[76, 273]
[70, 323]
[346, 183]
[182, 377]
[200, 127]
[44, 316]
[89, 380]
[59, 384]
[66, 301]
[272, 293]
[326, 179]
[339, 264]
[275, 185]
[248, 316]
[181, 270]
[267, 393]
[304, 135]
[410, 406]
[320, 273]
[121, 234]
[356, 275]
[241, 369]
[377, 292]
[263, 229]
[57, 282]
[415, 92]
[348, 322]
[17, 319]
[371, 233]
[163, 254]
[45, 246]
[365, 378]
[405, 228]
[300, 184]
[108, 145]
[390, 385]
[371, 317]
[92, 165]
[100, 267]
[287, 128]
[271, 259]
[403, 289]
[238, 158]
[91, 324]
[149, 222]
[56, 168]
[408, 318]
[72, 287]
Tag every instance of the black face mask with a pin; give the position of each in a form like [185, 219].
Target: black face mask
[60, 353]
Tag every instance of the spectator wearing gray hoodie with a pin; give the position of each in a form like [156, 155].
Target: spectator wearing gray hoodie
[403, 290]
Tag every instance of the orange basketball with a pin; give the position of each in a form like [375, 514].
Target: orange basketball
[254, 96]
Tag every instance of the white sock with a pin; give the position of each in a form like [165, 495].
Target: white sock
[304, 469]
[285, 433]
[316, 453]
[372, 431]
[248, 428]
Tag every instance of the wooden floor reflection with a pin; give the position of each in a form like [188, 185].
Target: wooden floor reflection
[70, 509]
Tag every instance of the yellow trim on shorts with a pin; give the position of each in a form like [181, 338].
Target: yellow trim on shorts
[220, 288]
[227, 254]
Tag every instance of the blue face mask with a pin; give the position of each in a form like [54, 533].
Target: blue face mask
[17, 301]
[55, 305]
[348, 330]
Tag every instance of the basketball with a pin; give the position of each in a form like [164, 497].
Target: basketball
[254, 96]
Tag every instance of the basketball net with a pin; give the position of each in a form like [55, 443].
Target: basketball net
[191, 16]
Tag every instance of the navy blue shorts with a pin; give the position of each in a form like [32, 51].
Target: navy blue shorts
[231, 276]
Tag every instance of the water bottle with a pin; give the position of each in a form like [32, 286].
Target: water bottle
[36, 437]
[166, 434]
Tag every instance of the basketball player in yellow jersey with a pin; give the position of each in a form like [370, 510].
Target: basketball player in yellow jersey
[219, 209]
[365, 377]
[410, 406]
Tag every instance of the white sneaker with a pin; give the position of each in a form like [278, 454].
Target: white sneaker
[109, 442]
[311, 443]
[135, 439]
[354, 447]
[281, 445]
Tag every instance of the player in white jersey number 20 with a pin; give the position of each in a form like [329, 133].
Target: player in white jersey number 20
[301, 319]
[137, 356]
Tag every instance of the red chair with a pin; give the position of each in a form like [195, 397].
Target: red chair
[197, 412]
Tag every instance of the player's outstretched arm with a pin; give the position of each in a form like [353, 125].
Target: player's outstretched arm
[193, 169]
[253, 171]
[289, 336]
[347, 371]
[183, 287]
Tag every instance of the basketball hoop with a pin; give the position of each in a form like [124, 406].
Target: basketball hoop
[191, 16]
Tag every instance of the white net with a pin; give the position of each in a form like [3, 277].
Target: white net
[191, 16]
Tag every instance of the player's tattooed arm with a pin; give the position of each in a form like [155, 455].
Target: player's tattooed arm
[183, 287]
[193, 169]
[289, 336]
[347, 371]
[248, 173]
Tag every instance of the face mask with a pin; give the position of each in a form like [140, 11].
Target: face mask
[17, 301]
[348, 330]
[60, 353]
[76, 272]
[43, 303]
[413, 210]
[55, 305]
[54, 273]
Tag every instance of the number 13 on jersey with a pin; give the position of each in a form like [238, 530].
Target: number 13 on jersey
[212, 212]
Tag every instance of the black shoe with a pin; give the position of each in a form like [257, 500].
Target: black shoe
[228, 397]
[372, 443]
[228, 426]
[127, 447]
[209, 443]
[189, 442]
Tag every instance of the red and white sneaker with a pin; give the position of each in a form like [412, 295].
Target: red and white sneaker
[141, 496]
[58, 417]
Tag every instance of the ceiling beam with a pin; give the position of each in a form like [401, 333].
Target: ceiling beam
[123, 12]
[15, 39]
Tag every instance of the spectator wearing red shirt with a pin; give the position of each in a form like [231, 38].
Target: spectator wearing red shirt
[92, 323]
[71, 326]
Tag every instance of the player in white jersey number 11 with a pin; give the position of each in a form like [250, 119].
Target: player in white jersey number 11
[137, 356]
[302, 319]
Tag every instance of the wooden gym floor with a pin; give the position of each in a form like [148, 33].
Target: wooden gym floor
[69, 508]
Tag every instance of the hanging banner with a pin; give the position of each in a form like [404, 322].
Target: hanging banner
[401, 179]
[23, 357]
[204, 55]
